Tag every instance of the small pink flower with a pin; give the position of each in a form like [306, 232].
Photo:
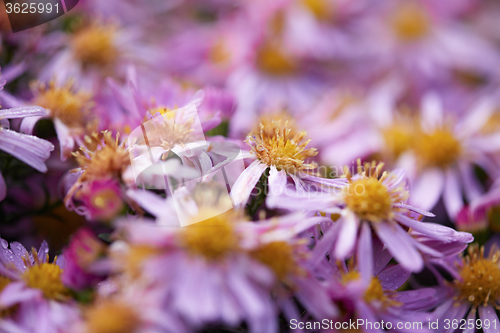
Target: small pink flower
[101, 198]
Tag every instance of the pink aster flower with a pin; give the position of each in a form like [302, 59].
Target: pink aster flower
[382, 204]
[83, 258]
[445, 149]
[34, 284]
[278, 145]
[226, 261]
[27, 148]
[474, 292]
[419, 39]
[368, 290]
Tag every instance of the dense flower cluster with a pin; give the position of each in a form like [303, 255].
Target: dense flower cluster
[260, 166]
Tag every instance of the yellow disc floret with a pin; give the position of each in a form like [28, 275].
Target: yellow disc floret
[63, 102]
[94, 44]
[439, 148]
[47, 278]
[369, 199]
[112, 317]
[278, 256]
[277, 145]
[368, 196]
[213, 237]
[102, 157]
[480, 278]
[272, 59]
[410, 21]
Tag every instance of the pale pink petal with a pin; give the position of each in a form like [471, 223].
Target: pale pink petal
[21, 112]
[29, 123]
[27, 148]
[401, 245]
[471, 318]
[348, 230]
[276, 181]
[489, 313]
[452, 196]
[66, 141]
[365, 253]
[432, 111]
[471, 183]
[476, 118]
[246, 182]
[427, 189]
[432, 230]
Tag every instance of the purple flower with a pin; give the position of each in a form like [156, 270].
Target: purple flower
[380, 203]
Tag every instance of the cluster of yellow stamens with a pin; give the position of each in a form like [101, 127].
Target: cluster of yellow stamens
[368, 197]
[480, 277]
[214, 237]
[279, 145]
[45, 276]
[278, 256]
[94, 44]
[437, 148]
[410, 21]
[164, 131]
[63, 102]
[272, 59]
[102, 157]
[110, 316]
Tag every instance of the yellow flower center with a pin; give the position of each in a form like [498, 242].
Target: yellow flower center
[94, 44]
[321, 9]
[136, 256]
[273, 60]
[213, 237]
[278, 145]
[439, 148]
[480, 283]
[112, 317]
[166, 132]
[219, 53]
[398, 139]
[103, 157]
[369, 199]
[63, 102]
[278, 256]
[47, 278]
[410, 21]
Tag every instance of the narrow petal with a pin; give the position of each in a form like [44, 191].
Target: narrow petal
[393, 277]
[277, 181]
[452, 196]
[432, 230]
[427, 189]
[432, 111]
[21, 112]
[348, 230]
[401, 245]
[66, 141]
[365, 253]
[28, 124]
[489, 313]
[246, 182]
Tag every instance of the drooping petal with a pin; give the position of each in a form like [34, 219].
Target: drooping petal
[365, 253]
[452, 196]
[21, 112]
[489, 313]
[401, 245]
[427, 189]
[246, 182]
[348, 230]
